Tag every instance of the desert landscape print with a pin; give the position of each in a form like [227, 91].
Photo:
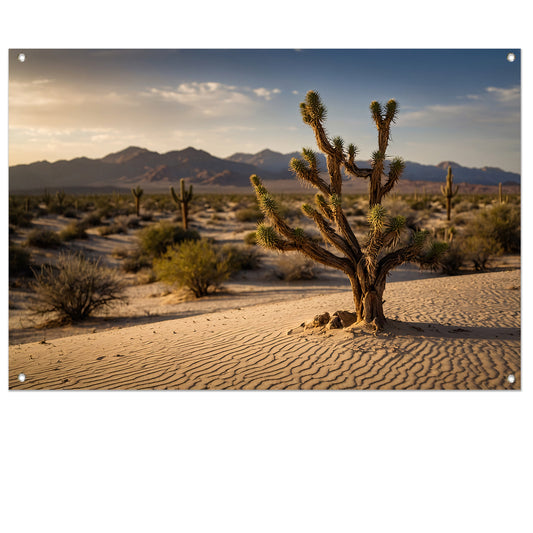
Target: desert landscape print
[264, 219]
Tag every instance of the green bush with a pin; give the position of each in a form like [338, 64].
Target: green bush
[19, 260]
[74, 288]
[480, 250]
[241, 257]
[195, 265]
[154, 240]
[500, 223]
[43, 238]
[249, 214]
[453, 260]
[19, 217]
[250, 238]
[136, 261]
[91, 220]
[75, 230]
[119, 225]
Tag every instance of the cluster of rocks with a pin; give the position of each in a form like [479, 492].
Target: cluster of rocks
[339, 320]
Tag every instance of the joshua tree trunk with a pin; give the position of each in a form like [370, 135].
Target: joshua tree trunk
[368, 303]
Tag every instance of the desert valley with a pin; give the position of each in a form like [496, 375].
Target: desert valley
[452, 327]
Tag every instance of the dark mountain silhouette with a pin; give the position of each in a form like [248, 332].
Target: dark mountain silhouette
[139, 166]
[267, 160]
[274, 161]
[130, 167]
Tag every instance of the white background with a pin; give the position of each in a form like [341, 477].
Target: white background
[255, 461]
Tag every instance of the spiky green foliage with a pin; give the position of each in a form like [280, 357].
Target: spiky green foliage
[394, 228]
[268, 237]
[310, 156]
[420, 238]
[335, 200]
[397, 166]
[338, 143]
[391, 112]
[432, 257]
[298, 235]
[376, 217]
[375, 109]
[298, 166]
[268, 204]
[324, 207]
[312, 109]
[377, 157]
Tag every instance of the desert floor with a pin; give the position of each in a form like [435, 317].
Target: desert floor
[460, 332]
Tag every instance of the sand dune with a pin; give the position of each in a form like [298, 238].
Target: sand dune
[445, 333]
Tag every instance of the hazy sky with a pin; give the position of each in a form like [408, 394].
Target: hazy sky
[460, 105]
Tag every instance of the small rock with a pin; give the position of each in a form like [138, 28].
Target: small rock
[319, 320]
[334, 323]
[346, 318]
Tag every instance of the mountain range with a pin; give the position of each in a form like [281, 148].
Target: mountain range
[152, 170]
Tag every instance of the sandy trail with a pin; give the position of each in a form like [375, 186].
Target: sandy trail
[445, 333]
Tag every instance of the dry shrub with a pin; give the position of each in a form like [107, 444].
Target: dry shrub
[241, 257]
[74, 288]
[480, 250]
[43, 238]
[500, 223]
[295, 267]
[249, 214]
[19, 260]
[250, 238]
[74, 230]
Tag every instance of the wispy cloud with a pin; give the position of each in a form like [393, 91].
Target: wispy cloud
[211, 98]
[505, 95]
[495, 104]
[44, 93]
[267, 94]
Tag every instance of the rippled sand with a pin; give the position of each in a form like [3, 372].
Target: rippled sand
[445, 333]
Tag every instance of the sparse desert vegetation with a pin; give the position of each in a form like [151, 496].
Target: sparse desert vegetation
[482, 235]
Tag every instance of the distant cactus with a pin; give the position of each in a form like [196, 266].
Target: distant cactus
[47, 198]
[60, 195]
[137, 193]
[183, 201]
[449, 192]
[500, 193]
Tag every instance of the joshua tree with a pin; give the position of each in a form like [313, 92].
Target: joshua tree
[449, 192]
[137, 193]
[390, 242]
[183, 200]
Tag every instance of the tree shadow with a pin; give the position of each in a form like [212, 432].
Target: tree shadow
[452, 331]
